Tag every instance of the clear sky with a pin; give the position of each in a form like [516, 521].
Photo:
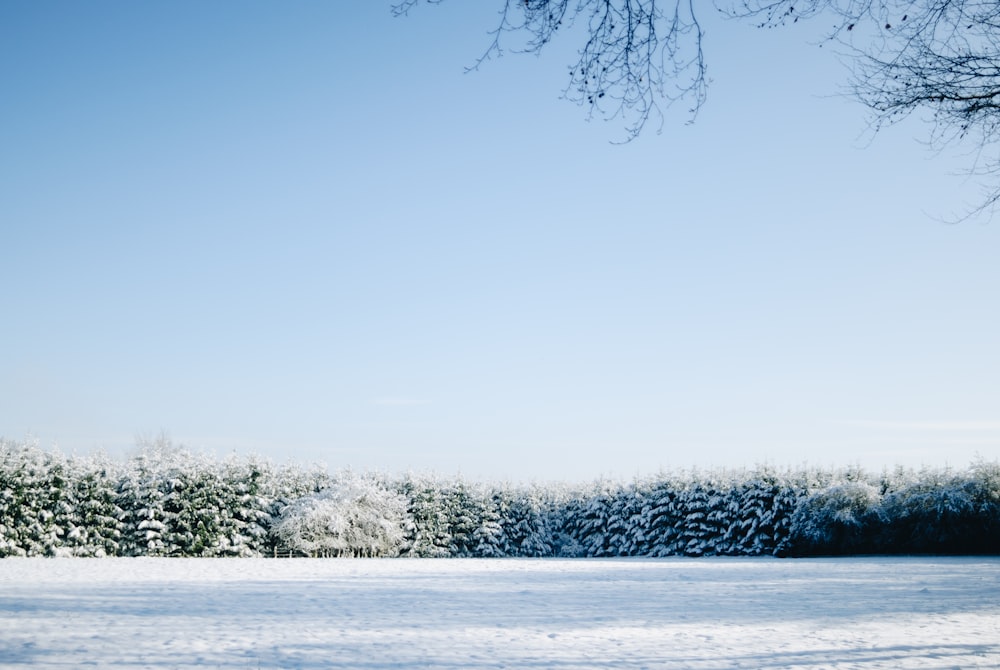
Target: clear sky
[300, 230]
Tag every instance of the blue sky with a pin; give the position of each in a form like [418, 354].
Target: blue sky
[302, 231]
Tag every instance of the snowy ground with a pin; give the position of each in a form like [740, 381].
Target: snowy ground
[450, 613]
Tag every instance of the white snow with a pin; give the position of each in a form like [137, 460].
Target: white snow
[504, 613]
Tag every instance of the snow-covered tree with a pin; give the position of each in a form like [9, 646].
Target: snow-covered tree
[196, 507]
[36, 500]
[250, 497]
[590, 517]
[464, 506]
[624, 521]
[146, 496]
[765, 503]
[96, 527]
[698, 531]
[527, 521]
[356, 516]
[427, 534]
[661, 517]
[488, 536]
[20, 473]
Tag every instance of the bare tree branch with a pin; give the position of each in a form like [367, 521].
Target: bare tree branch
[641, 56]
[940, 57]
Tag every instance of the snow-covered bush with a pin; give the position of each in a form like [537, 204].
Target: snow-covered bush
[946, 512]
[985, 478]
[841, 519]
[356, 516]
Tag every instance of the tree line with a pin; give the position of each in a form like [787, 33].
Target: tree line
[168, 501]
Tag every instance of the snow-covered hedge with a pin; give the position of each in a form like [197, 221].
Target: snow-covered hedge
[168, 501]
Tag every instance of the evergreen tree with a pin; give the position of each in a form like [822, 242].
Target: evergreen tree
[36, 501]
[754, 531]
[661, 518]
[249, 488]
[527, 523]
[142, 497]
[488, 536]
[695, 527]
[464, 507]
[97, 520]
[594, 518]
[427, 535]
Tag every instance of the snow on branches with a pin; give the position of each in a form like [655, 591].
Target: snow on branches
[168, 501]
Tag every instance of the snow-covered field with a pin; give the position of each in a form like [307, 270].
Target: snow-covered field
[507, 613]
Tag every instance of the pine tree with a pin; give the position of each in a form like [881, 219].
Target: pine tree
[10, 499]
[488, 537]
[662, 517]
[97, 519]
[526, 524]
[249, 488]
[754, 529]
[142, 497]
[594, 519]
[464, 508]
[427, 535]
[694, 506]
[36, 501]
[20, 515]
